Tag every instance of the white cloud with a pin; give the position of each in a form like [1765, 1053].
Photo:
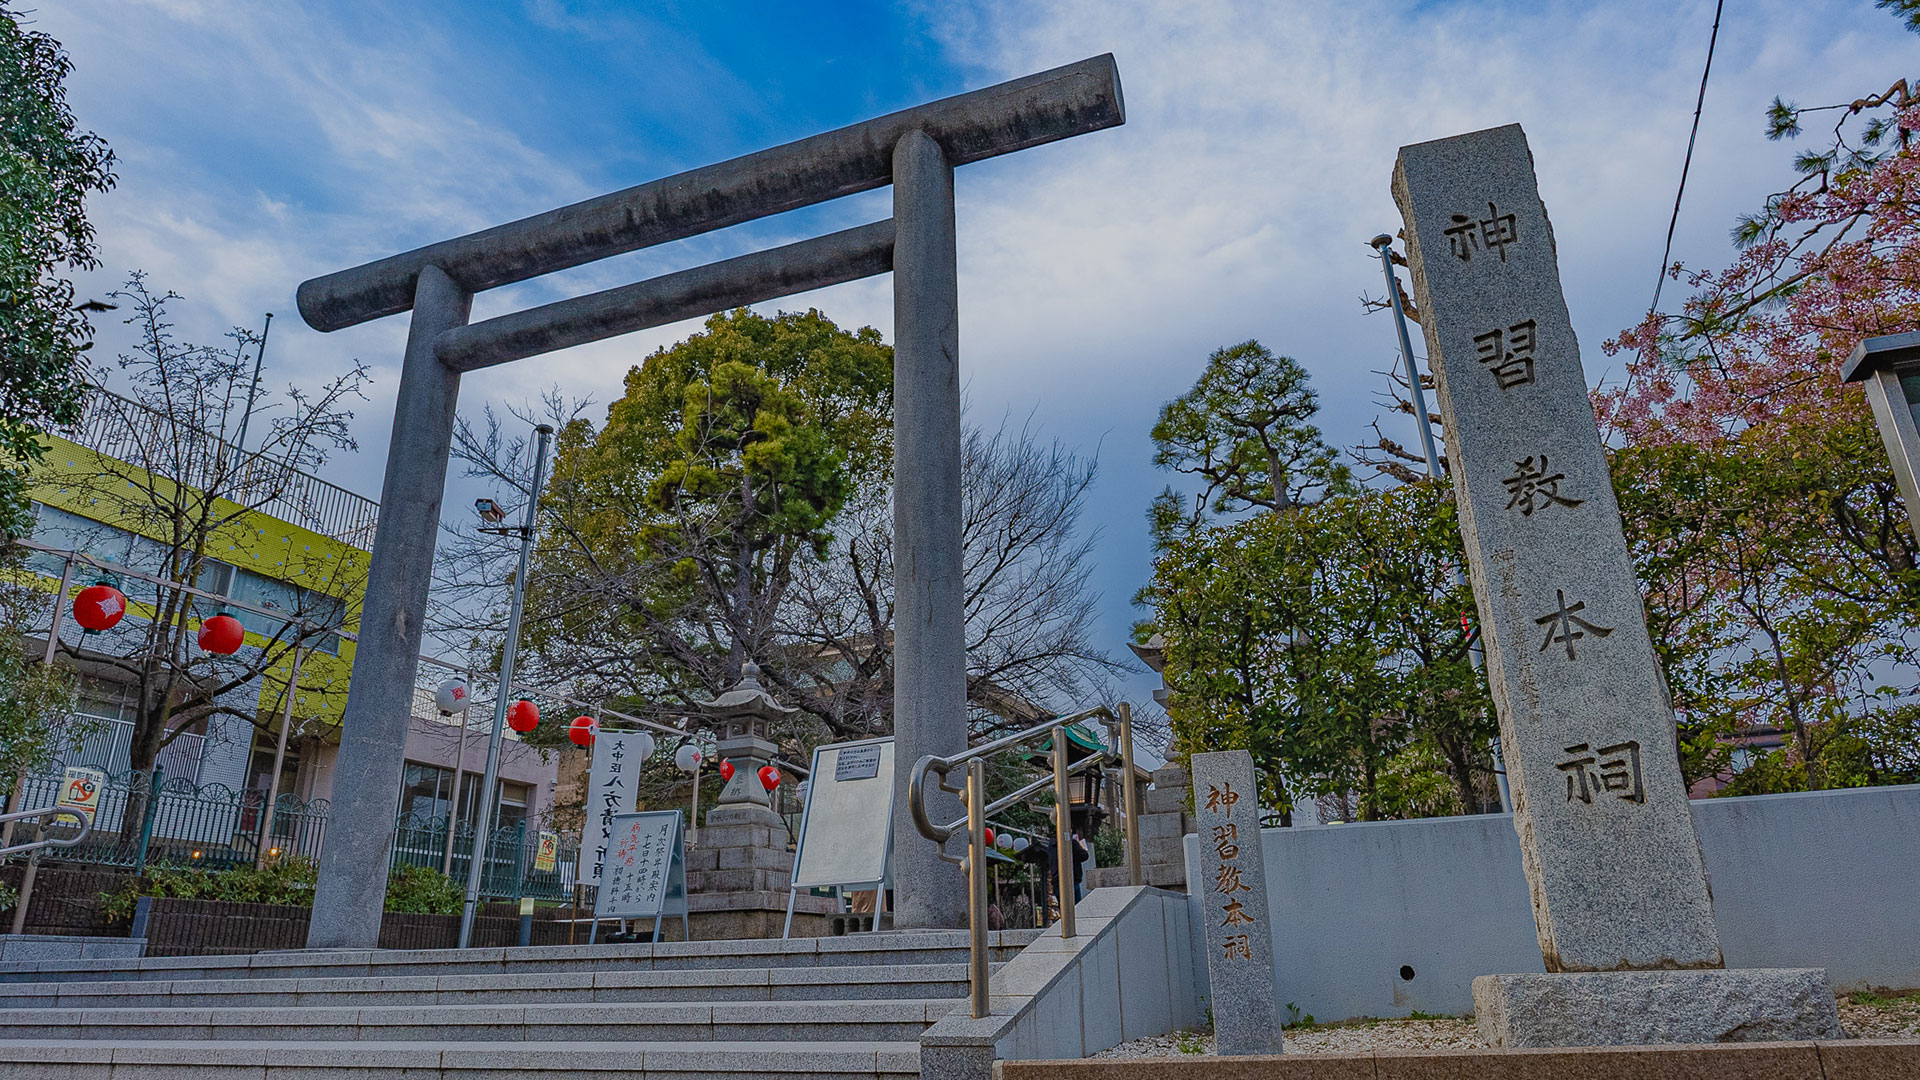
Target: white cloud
[264, 143]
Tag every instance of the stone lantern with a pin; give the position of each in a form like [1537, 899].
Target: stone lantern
[742, 719]
[737, 879]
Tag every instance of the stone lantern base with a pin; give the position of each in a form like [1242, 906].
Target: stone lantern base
[737, 877]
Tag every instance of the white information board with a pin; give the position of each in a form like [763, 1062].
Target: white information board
[845, 826]
[612, 787]
[645, 871]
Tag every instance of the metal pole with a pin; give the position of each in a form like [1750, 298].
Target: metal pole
[279, 761]
[1383, 245]
[693, 818]
[977, 974]
[459, 771]
[253, 388]
[26, 881]
[484, 827]
[59, 609]
[1063, 831]
[1135, 874]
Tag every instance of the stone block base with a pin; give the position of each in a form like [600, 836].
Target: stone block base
[1643, 1008]
[35, 947]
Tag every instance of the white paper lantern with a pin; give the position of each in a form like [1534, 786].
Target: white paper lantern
[452, 696]
[644, 746]
[688, 757]
[1004, 841]
[1020, 844]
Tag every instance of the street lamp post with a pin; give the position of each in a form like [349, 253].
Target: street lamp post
[1889, 365]
[483, 830]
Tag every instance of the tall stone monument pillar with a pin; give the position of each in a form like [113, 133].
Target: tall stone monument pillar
[929, 632]
[1606, 835]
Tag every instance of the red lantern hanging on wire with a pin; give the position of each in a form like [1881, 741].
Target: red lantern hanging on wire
[99, 606]
[222, 634]
[989, 837]
[769, 777]
[726, 770]
[581, 730]
[523, 716]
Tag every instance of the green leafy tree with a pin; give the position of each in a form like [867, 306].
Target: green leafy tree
[47, 169]
[36, 699]
[671, 534]
[1329, 642]
[1245, 433]
[1783, 578]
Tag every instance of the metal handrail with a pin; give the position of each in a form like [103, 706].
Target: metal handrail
[1119, 722]
[50, 812]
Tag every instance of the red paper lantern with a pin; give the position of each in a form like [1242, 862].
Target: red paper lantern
[581, 731]
[523, 716]
[769, 777]
[222, 634]
[989, 837]
[99, 607]
[726, 770]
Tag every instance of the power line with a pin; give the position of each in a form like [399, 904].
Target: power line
[1661, 281]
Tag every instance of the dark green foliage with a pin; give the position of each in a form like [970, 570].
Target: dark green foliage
[1246, 432]
[1907, 11]
[413, 889]
[1328, 641]
[47, 169]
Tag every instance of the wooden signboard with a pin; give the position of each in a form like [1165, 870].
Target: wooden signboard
[845, 827]
[644, 875]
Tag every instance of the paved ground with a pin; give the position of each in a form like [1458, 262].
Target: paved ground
[1865, 1016]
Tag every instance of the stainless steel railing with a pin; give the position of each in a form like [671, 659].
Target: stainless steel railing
[1119, 722]
[40, 841]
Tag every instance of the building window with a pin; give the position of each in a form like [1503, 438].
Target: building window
[426, 790]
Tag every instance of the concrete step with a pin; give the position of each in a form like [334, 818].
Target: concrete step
[864, 981]
[889, 949]
[677, 1022]
[184, 1059]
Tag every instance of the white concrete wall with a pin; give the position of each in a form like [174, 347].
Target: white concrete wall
[1823, 879]
[1126, 974]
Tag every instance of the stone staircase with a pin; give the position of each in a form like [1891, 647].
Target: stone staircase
[849, 1007]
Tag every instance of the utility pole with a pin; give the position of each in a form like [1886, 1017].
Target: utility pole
[483, 828]
[253, 388]
[1383, 245]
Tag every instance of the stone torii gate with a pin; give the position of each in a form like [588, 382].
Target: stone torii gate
[914, 150]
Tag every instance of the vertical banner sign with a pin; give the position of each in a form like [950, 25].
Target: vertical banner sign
[612, 786]
[1233, 901]
[548, 853]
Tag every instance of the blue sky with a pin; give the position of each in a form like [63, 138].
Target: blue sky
[264, 143]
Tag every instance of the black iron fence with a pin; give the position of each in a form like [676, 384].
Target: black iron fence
[144, 823]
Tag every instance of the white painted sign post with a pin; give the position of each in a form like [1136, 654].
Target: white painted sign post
[846, 825]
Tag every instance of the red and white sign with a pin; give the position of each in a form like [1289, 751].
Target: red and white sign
[80, 790]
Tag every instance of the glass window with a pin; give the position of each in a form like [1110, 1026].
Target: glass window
[513, 804]
[215, 577]
[424, 790]
[57, 528]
